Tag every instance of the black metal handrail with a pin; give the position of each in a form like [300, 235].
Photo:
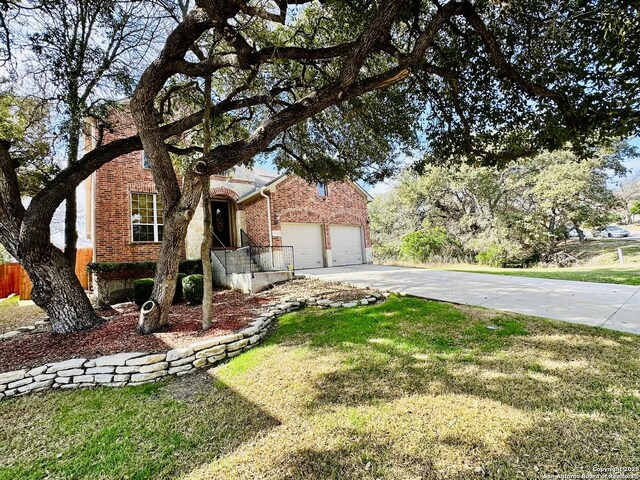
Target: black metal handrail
[246, 240]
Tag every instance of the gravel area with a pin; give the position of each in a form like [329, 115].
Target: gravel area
[312, 287]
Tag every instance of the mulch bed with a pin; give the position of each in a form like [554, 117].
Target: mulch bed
[233, 310]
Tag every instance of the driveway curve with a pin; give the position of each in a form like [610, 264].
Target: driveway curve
[597, 304]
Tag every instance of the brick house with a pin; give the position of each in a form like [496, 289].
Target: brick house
[325, 224]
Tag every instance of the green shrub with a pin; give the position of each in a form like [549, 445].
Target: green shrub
[421, 245]
[126, 270]
[192, 287]
[494, 255]
[179, 295]
[142, 290]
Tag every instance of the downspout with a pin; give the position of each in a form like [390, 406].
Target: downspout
[269, 222]
[268, 215]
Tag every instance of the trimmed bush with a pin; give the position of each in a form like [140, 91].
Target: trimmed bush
[142, 290]
[179, 295]
[126, 270]
[192, 288]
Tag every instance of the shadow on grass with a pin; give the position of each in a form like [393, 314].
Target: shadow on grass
[405, 345]
[159, 430]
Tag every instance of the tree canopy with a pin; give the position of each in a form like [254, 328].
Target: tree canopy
[340, 88]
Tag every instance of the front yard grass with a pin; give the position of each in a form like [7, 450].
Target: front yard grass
[406, 389]
[607, 274]
[12, 315]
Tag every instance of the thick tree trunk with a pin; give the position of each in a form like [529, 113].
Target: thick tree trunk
[164, 287]
[205, 254]
[56, 289]
[71, 210]
[207, 233]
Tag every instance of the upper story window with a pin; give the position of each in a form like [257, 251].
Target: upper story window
[145, 161]
[322, 189]
[147, 217]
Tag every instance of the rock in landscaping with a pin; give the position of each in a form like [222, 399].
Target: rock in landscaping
[66, 365]
[103, 378]
[182, 361]
[145, 377]
[36, 371]
[178, 353]
[216, 358]
[204, 344]
[211, 351]
[201, 362]
[131, 369]
[335, 304]
[255, 339]
[44, 377]
[230, 338]
[121, 378]
[20, 383]
[237, 345]
[9, 377]
[63, 380]
[71, 373]
[8, 335]
[147, 359]
[36, 386]
[180, 369]
[233, 354]
[84, 379]
[119, 359]
[26, 329]
[154, 367]
[349, 304]
[249, 332]
[99, 370]
[364, 301]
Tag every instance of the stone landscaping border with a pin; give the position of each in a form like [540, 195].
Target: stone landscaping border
[136, 368]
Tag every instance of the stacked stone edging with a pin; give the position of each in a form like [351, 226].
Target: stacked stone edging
[136, 368]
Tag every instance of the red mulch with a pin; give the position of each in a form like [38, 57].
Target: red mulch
[232, 311]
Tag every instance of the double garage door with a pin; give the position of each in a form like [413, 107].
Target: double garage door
[307, 240]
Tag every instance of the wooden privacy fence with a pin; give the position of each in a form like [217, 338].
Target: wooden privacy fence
[13, 278]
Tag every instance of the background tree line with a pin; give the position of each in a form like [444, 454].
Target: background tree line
[496, 216]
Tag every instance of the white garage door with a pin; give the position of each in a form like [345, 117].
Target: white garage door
[346, 245]
[307, 242]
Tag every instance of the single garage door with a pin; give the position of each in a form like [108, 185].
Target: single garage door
[307, 242]
[346, 245]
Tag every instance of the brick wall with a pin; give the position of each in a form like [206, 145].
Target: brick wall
[294, 200]
[256, 221]
[115, 182]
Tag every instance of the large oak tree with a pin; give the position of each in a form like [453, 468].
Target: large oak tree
[338, 88]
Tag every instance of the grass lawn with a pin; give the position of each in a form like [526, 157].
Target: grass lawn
[12, 315]
[619, 275]
[406, 389]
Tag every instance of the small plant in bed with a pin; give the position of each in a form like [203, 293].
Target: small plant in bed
[192, 287]
[143, 287]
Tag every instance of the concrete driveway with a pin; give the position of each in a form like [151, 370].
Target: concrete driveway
[598, 304]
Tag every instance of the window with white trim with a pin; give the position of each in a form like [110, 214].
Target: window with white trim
[322, 189]
[145, 161]
[147, 217]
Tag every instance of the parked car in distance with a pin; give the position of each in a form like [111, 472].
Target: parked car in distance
[612, 231]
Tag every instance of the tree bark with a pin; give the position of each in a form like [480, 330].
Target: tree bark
[56, 289]
[71, 207]
[207, 234]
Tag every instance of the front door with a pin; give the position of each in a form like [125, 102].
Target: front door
[221, 224]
